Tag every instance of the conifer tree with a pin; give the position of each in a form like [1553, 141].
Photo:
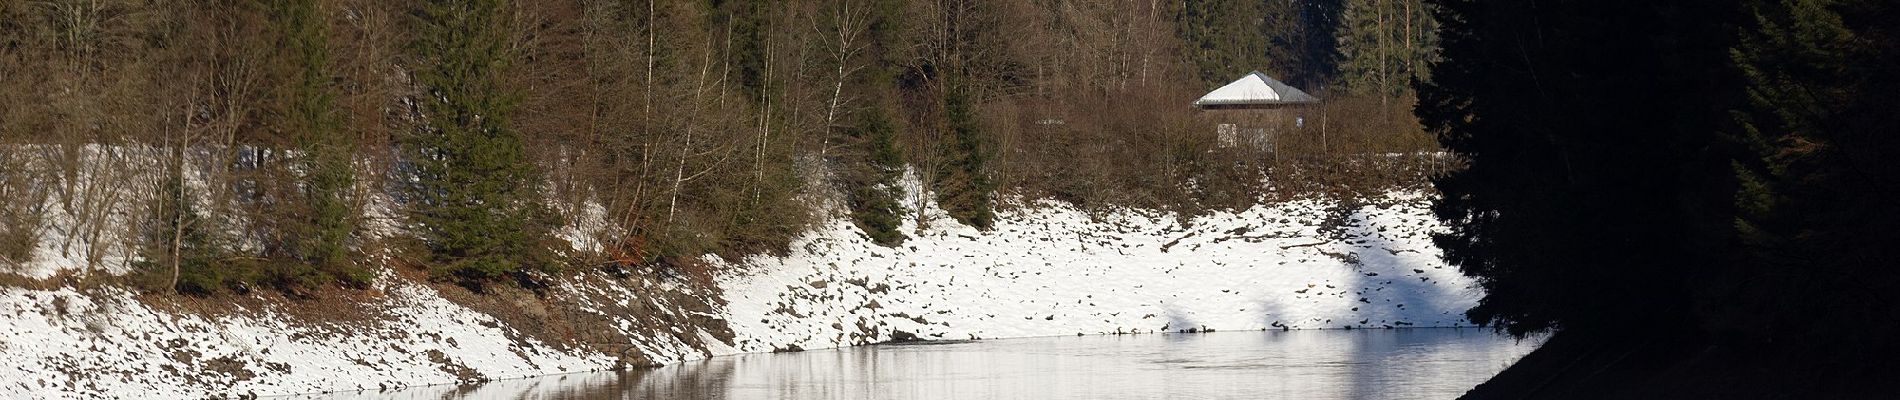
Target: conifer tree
[475, 199]
[1385, 46]
[1814, 190]
[320, 230]
[1299, 46]
[1223, 38]
[872, 183]
[1559, 166]
[963, 188]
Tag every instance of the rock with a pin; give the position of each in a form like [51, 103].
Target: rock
[902, 336]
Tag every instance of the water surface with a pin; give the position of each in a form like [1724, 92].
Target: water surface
[1330, 364]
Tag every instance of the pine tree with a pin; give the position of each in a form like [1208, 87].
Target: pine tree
[1223, 39]
[1285, 52]
[1814, 189]
[963, 186]
[1319, 61]
[1385, 46]
[319, 231]
[475, 198]
[871, 185]
[1559, 168]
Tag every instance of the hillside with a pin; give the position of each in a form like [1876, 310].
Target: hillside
[1045, 270]
[225, 197]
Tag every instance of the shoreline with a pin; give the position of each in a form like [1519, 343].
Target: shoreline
[1048, 270]
[847, 348]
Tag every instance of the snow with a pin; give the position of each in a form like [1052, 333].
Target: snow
[1051, 270]
[83, 213]
[1047, 268]
[1255, 88]
[67, 344]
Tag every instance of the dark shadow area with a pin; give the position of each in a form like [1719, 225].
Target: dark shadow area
[1652, 364]
[1696, 197]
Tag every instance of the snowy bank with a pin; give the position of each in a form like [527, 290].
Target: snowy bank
[1052, 270]
[1044, 270]
[104, 344]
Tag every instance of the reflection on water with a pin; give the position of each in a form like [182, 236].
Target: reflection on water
[1356, 364]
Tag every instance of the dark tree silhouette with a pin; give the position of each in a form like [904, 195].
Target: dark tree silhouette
[1692, 195]
[1589, 130]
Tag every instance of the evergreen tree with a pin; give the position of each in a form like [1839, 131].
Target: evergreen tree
[474, 196]
[1300, 46]
[745, 20]
[1609, 187]
[963, 186]
[1223, 38]
[1297, 41]
[871, 184]
[1814, 194]
[1319, 63]
[1583, 205]
[319, 231]
[1385, 46]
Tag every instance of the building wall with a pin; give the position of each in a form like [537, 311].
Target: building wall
[1254, 127]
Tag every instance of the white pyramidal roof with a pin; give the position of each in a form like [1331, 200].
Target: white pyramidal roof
[1255, 89]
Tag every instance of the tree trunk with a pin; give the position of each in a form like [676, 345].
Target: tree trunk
[1385, 53]
[1411, 53]
[178, 214]
[848, 31]
[686, 146]
[652, 31]
[831, 111]
[765, 123]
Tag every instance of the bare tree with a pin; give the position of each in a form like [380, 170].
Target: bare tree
[843, 42]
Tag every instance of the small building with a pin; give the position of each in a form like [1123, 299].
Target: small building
[1255, 108]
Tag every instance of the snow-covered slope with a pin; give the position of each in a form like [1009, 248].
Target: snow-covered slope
[104, 344]
[1045, 270]
[1051, 270]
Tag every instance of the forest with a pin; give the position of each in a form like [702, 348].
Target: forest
[1696, 197]
[218, 146]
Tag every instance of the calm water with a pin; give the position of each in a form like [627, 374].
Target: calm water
[1356, 364]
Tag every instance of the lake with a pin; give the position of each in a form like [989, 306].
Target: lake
[1313, 364]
